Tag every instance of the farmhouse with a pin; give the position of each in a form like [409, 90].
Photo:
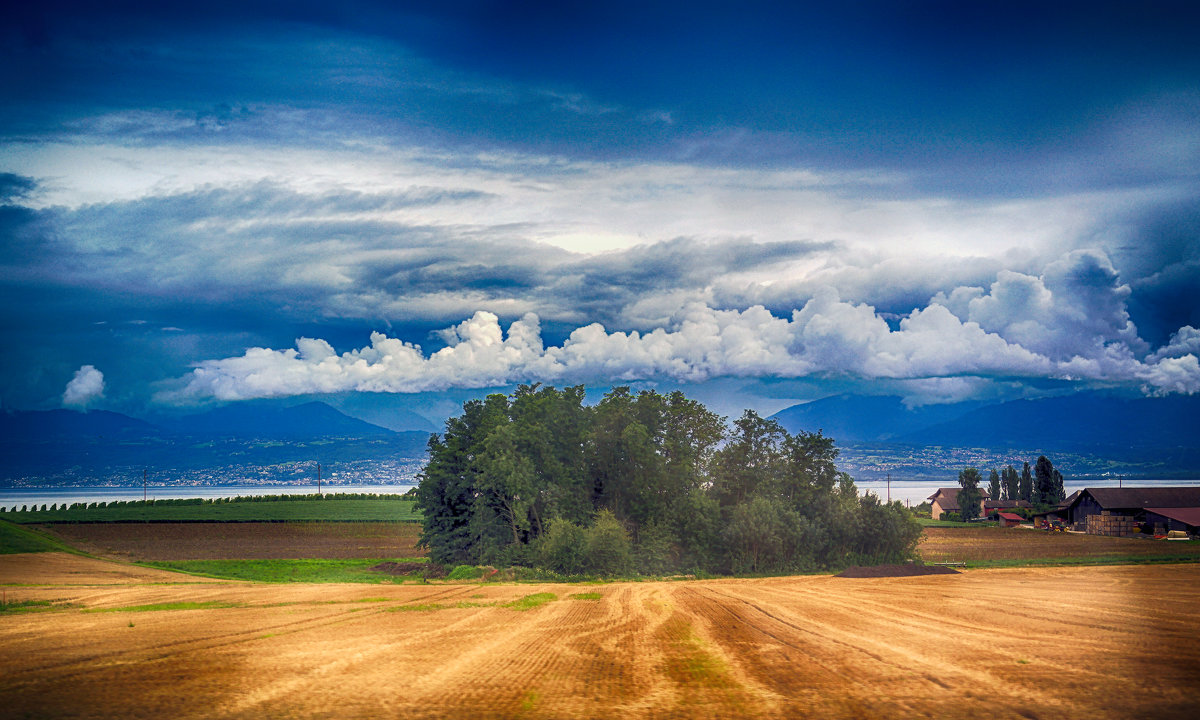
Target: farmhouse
[945, 500]
[1118, 511]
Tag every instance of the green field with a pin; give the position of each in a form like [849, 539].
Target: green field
[926, 522]
[16, 539]
[295, 508]
[285, 571]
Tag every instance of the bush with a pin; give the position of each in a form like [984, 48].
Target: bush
[607, 547]
[655, 553]
[562, 548]
[951, 517]
[465, 572]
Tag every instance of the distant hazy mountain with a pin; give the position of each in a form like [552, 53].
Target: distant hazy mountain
[1096, 422]
[853, 419]
[402, 421]
[42, 424]
[58, 442]
[250, 420]
[1075, 422]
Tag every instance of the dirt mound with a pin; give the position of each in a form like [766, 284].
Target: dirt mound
[912, 570]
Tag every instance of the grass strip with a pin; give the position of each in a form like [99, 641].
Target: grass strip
[356, 570]
[16, 539]
[926, 522]
[1084, 561]
[585, 596]
[14, 607]
[529, 602]
[330, 508]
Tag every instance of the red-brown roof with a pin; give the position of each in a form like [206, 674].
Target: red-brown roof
[1010, 516]
[1187, 516]
[1145, 497]
[949, 499]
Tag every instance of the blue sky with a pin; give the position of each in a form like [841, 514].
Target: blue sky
[394, 205]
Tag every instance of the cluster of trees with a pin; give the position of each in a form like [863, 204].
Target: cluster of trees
[1041, 486]
[644, 482]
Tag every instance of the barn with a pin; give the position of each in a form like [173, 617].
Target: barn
[1118, 511]
[1008, 519]
[945, 500]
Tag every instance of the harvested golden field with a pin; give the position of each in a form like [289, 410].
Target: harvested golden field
[245, 540]
[1095, 642]
[997, 544]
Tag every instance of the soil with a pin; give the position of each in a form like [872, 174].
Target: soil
[975, 544]
[1095, 642]
[907, 570]
[140, 542]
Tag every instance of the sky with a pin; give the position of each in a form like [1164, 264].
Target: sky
[403, 205]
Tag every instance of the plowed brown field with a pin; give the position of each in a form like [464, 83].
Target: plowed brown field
[989, 544]
[1097, 642]
[252, 540]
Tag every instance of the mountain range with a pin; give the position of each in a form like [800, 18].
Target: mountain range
[1094, 432]
[1082, 422]
[91, 444]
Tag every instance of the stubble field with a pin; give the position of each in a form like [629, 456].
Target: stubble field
[122, 641]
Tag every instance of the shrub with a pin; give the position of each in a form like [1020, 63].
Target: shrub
[951, 517]
[465, 572]
[655, 553]
[607, 546]
[562, 547]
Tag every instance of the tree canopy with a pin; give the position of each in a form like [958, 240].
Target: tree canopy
[646, 482]
[970, 495]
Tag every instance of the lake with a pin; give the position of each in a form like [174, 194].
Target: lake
[911, 493]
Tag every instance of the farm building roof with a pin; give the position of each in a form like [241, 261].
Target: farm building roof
[1010, 516]
[1062, 507]
[949, 499]
[1187, 516]
[1145, 497]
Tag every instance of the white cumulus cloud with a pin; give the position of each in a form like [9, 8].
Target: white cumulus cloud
[86, 387]
[1070, 323]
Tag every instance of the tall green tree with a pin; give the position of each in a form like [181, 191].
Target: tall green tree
[969, 494]
[1048, 488]
[1026, 484]
[994, 485]
[749, 460]
[1011, 482]
[651, 481]
[447, 488]
[550, 430]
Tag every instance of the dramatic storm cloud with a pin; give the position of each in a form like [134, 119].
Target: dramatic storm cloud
[1068, 324]
[945, 200]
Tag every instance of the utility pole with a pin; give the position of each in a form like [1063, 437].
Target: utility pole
[889, 488]
[319, 478]
[143, 484]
